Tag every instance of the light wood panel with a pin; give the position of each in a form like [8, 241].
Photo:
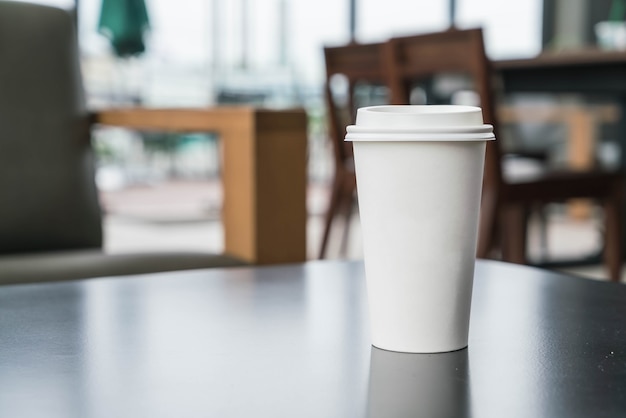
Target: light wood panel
[263, 173]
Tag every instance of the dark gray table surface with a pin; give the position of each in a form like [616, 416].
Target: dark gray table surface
[293, 341]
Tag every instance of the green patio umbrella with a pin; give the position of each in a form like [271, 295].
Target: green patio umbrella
[124, 23]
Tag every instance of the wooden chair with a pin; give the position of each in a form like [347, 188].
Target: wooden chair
[354, 67]
[50, 217]
[505, 204]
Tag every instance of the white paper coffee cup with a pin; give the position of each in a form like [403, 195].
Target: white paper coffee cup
[419, 176]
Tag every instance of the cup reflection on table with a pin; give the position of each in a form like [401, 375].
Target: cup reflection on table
[418, 385]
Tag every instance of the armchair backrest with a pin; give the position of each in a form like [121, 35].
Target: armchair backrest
[48, 198]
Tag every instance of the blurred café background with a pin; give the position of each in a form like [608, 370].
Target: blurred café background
[162, 190]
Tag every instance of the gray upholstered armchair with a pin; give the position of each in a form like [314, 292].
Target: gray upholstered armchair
[50, 218]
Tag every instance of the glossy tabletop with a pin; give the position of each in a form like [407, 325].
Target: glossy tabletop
[293, 341]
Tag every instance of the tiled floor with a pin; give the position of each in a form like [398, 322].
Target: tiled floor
[184, 215]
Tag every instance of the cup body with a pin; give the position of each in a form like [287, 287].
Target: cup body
[419, 184]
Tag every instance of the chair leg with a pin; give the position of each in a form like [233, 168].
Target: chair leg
[348, 203]
[513, 221]
[613, 236]
[487, 225]
[335, 201]
[543, 231]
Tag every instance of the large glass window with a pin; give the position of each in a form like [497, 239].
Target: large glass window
[212, 41]
[378, 20]
[512, 29]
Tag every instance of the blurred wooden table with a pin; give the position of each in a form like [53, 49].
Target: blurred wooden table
[590, 72]
[587, 72]
[263, 172]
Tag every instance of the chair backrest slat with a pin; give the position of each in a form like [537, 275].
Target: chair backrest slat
[358, 64]
[415, 58]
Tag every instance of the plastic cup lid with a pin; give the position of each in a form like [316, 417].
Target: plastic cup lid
[419, 123]
[419, 116]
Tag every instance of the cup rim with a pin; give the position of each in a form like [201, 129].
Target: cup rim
[453, 133]
[454, 129]
[419, 137]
